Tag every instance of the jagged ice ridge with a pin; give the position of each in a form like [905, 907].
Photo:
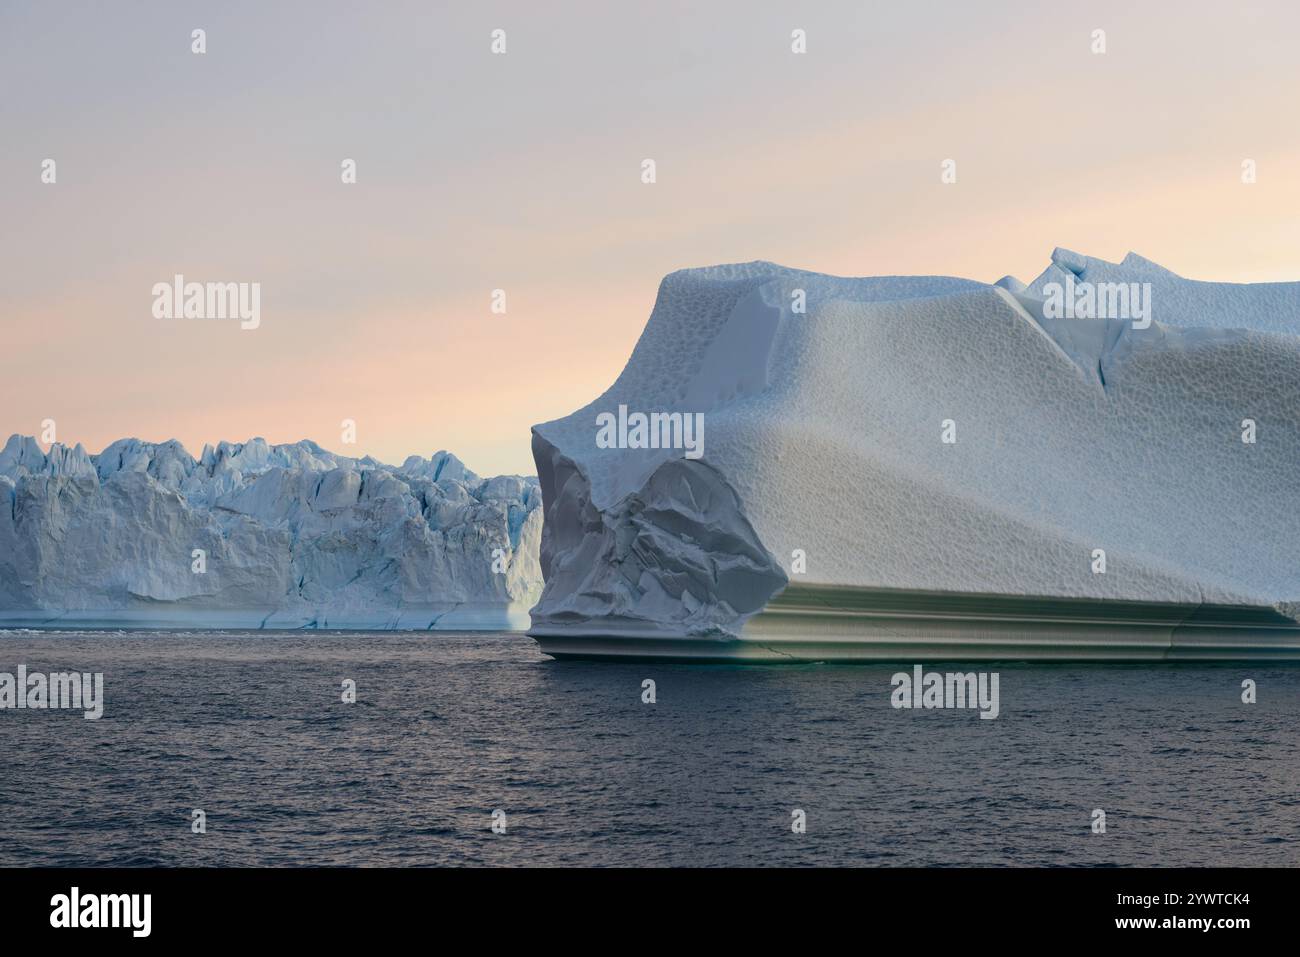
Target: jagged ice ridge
[293, 536]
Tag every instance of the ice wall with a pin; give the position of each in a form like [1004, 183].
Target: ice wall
[292, 536]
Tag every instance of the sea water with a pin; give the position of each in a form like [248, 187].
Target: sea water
[451, 734]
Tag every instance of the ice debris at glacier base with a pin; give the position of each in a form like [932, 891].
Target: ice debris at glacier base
[922, 466]
[290, 535]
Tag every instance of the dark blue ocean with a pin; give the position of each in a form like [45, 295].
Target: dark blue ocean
[250, 728]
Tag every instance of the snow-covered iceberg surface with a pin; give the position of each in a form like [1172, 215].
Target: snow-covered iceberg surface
[929, 468]
[257, 535]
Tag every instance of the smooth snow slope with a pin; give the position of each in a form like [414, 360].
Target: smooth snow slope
[823, 434]
[293, 536]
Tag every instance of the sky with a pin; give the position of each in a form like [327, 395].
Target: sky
[522, 171]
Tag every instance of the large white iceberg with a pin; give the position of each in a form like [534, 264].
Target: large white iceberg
[289, 536]
[928, 468]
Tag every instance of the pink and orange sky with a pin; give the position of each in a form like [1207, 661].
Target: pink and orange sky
[522, 172]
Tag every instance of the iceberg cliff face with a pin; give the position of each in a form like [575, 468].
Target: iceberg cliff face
[936, 467]
[289, 535]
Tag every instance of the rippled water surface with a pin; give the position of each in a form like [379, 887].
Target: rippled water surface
[249, 727]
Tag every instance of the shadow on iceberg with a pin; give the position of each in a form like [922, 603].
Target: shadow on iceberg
[675, 557]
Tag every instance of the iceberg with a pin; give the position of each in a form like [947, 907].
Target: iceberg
[935, 468]
[261, 536]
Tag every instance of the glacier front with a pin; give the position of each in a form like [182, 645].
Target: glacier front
[262, 536]
[929, 468]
